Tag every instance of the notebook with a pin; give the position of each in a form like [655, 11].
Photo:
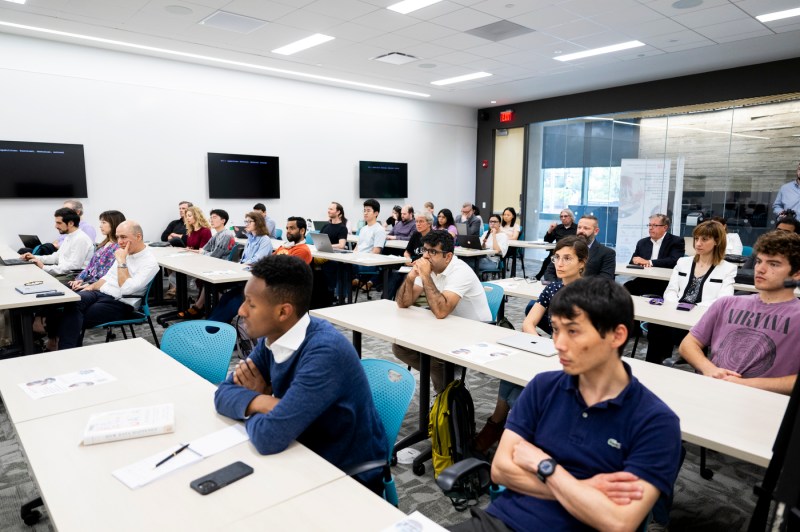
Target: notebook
[469, 241]
[530, 343]
[323, 243]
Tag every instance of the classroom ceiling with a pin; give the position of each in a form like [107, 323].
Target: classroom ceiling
[681, 37]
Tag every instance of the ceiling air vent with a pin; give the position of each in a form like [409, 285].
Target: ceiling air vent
[395, 58]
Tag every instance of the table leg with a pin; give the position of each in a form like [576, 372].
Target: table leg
[26, 321]
[181, 291]
[424, 404]
[357, 342]
[385, 293]
[513, 262]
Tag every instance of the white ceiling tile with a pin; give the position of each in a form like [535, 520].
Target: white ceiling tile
[104, 10]
[433, 11]
[458, 58]
[530, 40]
[677, 38]
[762, 7]
[576, 29]
[491, 50]
[425, 31]
[461, 41]
[216, 4]
[344, 9]
[313, 22]
[591, 8]
[266, 38]
[505, 9]
[653, 28]
[665, 6]
[153, 19]
[733, 28]
[353, 32]
[294, 3]
[545, 18]
[714, 15]
[638, 53]
[735, 36]
[263, 10]
[465, 19]
[687, 45]
[601, 39]
[391, 42]
[627, 18]
[786, 28]
[385, 20]
[428, 50]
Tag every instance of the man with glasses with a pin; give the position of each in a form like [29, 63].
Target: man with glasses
[660, 249]
[788, 197]
[555, 233]
[450, 286]
[468, 216]
[602, 259]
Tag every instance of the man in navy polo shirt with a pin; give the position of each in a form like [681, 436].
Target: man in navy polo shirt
[588, 447]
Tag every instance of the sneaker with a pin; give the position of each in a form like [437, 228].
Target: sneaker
[355, 283]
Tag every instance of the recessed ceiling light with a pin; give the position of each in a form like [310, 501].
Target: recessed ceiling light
[407, 6]
[686, 4]
[598, 51]
[303, 44]
[493, 101]
[209, 59]
[778, 15]
[178, 10]
[459, 79]
[17, 1]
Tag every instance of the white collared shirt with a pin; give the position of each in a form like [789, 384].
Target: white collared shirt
[284, 347]
[656, 247]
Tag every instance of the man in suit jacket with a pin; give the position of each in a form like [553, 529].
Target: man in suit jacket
[660, 249]
[602, 260]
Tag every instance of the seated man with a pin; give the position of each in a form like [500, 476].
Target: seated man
[260, 207]
[588, 447]
[295, 244]
[113, 296]
[661, 249]
[467, 216]
[602, 260]
[752, 338]
[403, 228]
[177, 228]
[303, 381]
[73, 253]
[450, 286]
[371, 239]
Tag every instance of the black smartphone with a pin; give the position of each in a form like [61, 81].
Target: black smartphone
[635, 266]
[221, 478]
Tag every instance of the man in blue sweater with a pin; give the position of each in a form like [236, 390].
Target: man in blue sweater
[303, 381]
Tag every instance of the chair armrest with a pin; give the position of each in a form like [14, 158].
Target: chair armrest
[363, 467]
[448, 478]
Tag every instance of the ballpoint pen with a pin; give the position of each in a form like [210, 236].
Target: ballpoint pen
[173, 455]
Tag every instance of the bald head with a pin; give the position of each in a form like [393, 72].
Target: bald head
[130, 236]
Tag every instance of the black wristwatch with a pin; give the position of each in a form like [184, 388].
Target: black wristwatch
[546, 468]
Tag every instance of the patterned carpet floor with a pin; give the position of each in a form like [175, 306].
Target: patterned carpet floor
[723, 503]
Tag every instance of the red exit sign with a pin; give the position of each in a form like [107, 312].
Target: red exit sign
[506, 116]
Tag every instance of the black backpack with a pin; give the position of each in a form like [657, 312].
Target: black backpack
[451, 426]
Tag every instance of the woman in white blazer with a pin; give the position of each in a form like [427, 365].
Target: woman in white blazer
[699, 280]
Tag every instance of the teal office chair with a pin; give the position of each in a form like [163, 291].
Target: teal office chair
[279, 234]
[747, 251]
[203, 346]
[235, 254]
[140, 315]
[499, 270]
[494, 296]
[392, 388]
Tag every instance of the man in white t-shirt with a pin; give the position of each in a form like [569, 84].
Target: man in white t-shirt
[371, 239]
[450, 286]
[74, 252]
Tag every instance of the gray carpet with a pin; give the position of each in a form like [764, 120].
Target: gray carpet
[721, 504]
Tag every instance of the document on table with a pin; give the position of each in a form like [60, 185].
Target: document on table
[220, 272]
[68, 382]
[482, 353]
[416, 522]
[145, 471]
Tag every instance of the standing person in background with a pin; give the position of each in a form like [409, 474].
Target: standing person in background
[555, 233]
[198, 230]
[445, 222]
[260, 207]
[788, 197]
[509, 224]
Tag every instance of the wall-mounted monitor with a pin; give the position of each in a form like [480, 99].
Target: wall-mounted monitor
[42, 170]
[382, 180]
[232, 176]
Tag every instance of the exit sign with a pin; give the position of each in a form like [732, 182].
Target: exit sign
[506, 116]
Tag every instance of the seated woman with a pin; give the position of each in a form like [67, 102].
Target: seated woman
[699, 280]
[97, 267]
[570, 257]
[446, 222]
[198, 231]
[258, 246]
[509, 225]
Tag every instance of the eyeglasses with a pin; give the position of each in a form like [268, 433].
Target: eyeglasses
[493, 222]
[566, 259]
[247, 222]
[33, 283]
[565, 216]
[656, 225]
[430, 251]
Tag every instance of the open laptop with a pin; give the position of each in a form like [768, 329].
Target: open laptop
[461, 228]
[323, 243]
[469, 241]
[530, 343]
[30, 241]
[12, 262]
[318, 225]
[239, 231]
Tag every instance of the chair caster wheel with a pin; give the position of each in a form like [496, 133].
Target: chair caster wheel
[419, 469]
[32, 517]
[707, 474]
[393, 462]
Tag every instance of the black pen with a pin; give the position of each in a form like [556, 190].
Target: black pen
[173, 455]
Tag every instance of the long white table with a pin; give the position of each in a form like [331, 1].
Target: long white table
[12, 277]
[76, 481]
[730, 418]
[664, 274]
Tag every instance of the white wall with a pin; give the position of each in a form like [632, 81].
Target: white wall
[146, 125]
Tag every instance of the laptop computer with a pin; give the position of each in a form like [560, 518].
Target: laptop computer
[461, 227]
[12, 262]
[30, 241]
[239, 231]
[530, 343]
[469, 241]
[318, 225]
[323, 243]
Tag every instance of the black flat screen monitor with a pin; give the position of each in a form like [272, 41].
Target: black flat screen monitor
[232, 176]
[42, 170]
[382, 180]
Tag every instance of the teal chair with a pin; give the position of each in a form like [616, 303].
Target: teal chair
[747, 251]
[392, 389]
[203, 346]
[140, 315]
[494, 296]
[279, 234]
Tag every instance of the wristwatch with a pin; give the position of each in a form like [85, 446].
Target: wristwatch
[123, 265]
[546, 468]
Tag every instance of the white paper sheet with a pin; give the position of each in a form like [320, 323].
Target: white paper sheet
[482, 353]
[416, 522]
[47, 385]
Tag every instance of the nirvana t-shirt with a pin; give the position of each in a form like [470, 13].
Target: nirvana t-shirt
[752, 338]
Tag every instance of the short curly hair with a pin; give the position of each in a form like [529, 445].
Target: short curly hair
[780, 243]
[288, 279]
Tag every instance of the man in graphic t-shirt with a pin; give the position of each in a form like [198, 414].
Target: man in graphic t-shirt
[754, 338]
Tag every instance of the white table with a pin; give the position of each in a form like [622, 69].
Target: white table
[730, 418]
[664, 274]
[526, 244]
[12, 277]
[359, 259]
